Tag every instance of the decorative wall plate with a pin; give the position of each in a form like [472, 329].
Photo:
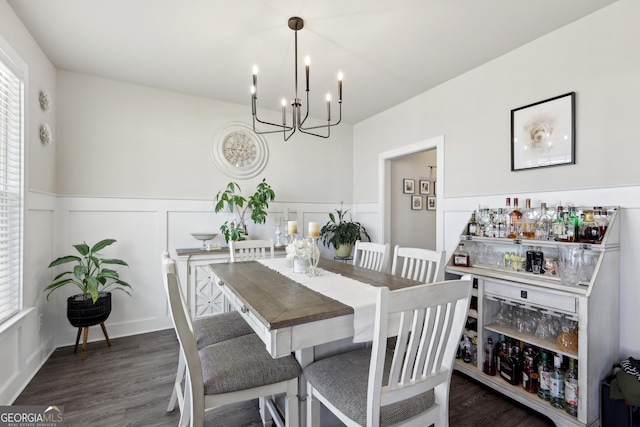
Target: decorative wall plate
[239, 152]
[45, 100]
[45, 134]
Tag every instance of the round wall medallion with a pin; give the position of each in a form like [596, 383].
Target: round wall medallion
[239, 152]
[45, 134]
[45, 100]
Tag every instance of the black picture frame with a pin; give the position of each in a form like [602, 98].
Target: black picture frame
[431, 203]
[409, 186]
[543, 133]
[416, 203]
[425, 187]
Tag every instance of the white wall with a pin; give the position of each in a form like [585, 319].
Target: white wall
[24, 346]
[597, 57]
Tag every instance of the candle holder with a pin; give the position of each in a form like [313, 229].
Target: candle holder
[278, 235]
[314, 258]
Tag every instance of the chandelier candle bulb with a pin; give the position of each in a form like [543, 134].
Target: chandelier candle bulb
[340, 76]
[254, 89]
[284, 111]
[292, 227]
[307, 62]
[328, 107]
[314, 229]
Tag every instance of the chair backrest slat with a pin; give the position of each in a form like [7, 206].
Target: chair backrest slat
[422, 265]
[250, 250]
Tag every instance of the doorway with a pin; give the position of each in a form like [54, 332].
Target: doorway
[387, 186]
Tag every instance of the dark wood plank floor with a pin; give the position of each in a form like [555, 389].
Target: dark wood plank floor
[129, 384]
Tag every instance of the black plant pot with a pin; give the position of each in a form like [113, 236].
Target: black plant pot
[83, 312]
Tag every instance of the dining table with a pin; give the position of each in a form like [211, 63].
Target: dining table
[300, 313]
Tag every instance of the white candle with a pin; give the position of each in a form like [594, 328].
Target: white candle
[314, 229]
[292, 227]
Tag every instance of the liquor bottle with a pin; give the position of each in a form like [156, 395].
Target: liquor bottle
[600, 216]
[569, 228]
[529, 219]
[588, 230]
[466, 354]
[509, 367]
[575, 219]
[530, 373]
[461, 256]
[489, 366]
[506, 211]
[515, 216]
[543, 224]
[491, 227]
[557, 228]
[501, 225]
[538, 261]
[472, 227]
[556, 389]
[571, 389]
[544, 377]
[529, 257]
[498, 353]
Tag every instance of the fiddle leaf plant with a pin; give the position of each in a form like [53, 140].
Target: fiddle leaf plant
[89, 274]
[230, 199]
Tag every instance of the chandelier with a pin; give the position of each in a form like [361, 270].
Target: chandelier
[297, 121]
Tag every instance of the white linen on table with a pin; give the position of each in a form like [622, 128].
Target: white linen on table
[358, 295]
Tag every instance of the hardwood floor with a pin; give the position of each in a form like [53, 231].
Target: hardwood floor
[129, 384]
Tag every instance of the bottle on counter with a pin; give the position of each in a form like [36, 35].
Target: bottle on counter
[557, 228]
[515, 217]
[588, 230]
[530, 373]
[556, 390]
[544, 377]
[489, 366]
[502, 224]
[529, 219]
[472, 227]
[461, 256]
[571, 388]
[498, 353]
[543, 223]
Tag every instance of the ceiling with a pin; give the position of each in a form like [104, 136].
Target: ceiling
[388, 50]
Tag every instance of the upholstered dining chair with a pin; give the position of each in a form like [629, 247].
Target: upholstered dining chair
[407, 385]
[423, 265]
[207, 330]
[374, 256]
[230, 371]
[249, 250]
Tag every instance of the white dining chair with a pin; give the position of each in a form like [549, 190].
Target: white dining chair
[206, 330]
[374, 256]
[250, 250]
[423, 265]
[231, 371]
[407, 385]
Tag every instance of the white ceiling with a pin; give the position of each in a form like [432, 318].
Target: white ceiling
[389, 50]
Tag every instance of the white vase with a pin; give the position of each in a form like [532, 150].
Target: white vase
[300, 265]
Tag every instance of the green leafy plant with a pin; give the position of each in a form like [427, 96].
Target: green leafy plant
[338, 230]
[89, 274]
[229, 198]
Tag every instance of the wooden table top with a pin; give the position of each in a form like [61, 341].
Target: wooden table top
[281, 302]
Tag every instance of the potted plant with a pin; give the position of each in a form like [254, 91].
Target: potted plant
[93, 304]
[342, 234]
[230, 199]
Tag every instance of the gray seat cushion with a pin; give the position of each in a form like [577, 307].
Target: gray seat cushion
[343, 380]
[219, 327]
[242, 363]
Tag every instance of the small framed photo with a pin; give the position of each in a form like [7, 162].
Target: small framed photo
[409, 186]
[425, 186]
[543, 134]
[431, 203]
[416, 202]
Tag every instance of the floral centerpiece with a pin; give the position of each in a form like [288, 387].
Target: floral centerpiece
[299, 252]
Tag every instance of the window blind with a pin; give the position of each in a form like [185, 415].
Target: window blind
[11, 130]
